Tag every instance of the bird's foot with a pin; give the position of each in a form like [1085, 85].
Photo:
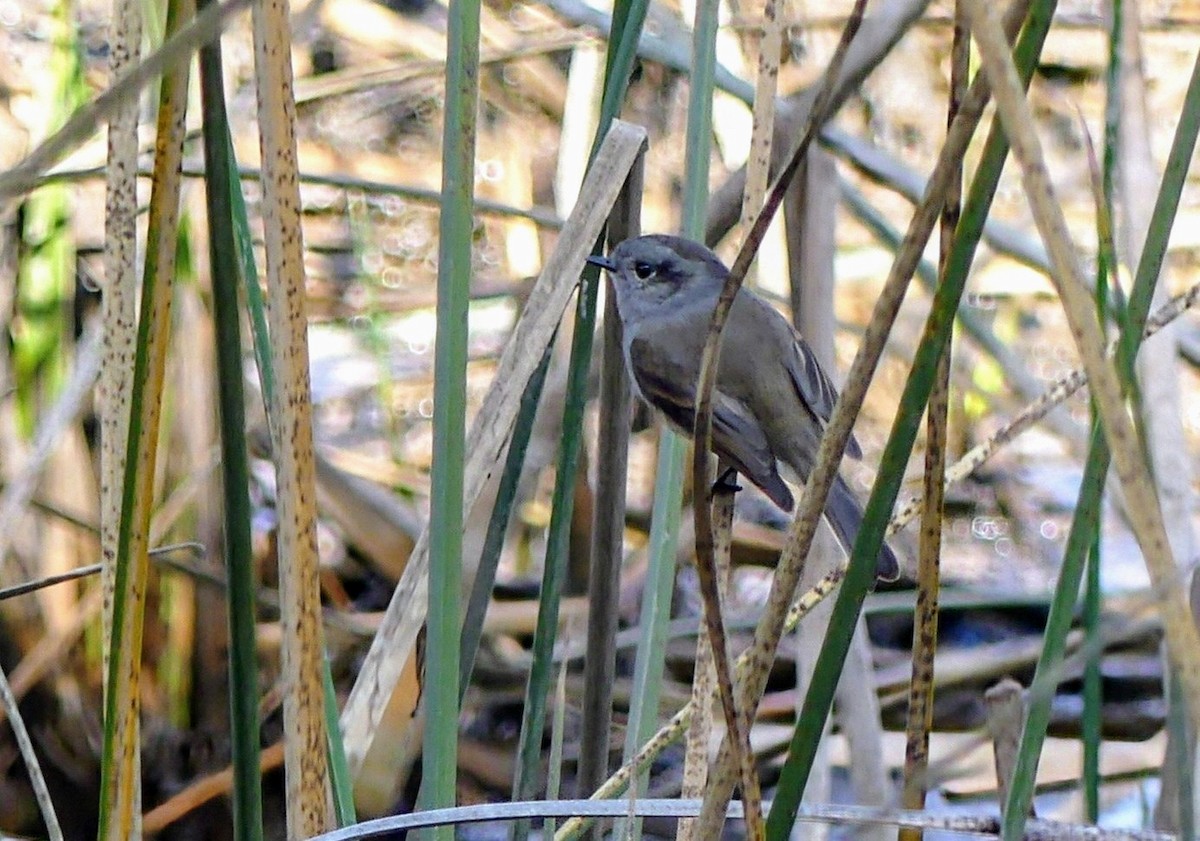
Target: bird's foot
[727, 482]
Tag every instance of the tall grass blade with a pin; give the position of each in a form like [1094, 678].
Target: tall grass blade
[455, 229]
[557, 728]
[619, 64]
[118, 298]
[249, 275]
[339, 770]
[1180, 752]
[493, 542]
[656, 608]
[307, 763]
[533, 718]
[1106, 265]
[120, 776]
[608, 521]
[1091, 488]
[235, 467]
[338, 767]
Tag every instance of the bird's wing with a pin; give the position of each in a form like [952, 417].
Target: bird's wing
[816, 390]
[737, 435]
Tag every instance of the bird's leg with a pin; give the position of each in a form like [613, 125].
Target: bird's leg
[727, 482]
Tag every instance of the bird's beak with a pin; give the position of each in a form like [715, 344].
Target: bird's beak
[602, 262]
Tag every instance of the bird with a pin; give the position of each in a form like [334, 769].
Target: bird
[772, 399]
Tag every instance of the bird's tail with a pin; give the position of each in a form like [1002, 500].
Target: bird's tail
[845, 517]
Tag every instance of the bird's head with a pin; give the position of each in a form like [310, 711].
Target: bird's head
[649, 270]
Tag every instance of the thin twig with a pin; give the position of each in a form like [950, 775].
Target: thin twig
[984, 825]
[86, 571]
[32, 766]
[542, 216]
[919, 722]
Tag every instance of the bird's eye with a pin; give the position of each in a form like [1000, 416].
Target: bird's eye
[643, 270]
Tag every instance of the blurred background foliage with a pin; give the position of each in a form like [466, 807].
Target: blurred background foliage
[369, 92]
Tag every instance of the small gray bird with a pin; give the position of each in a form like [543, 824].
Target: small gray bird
[772, 400]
